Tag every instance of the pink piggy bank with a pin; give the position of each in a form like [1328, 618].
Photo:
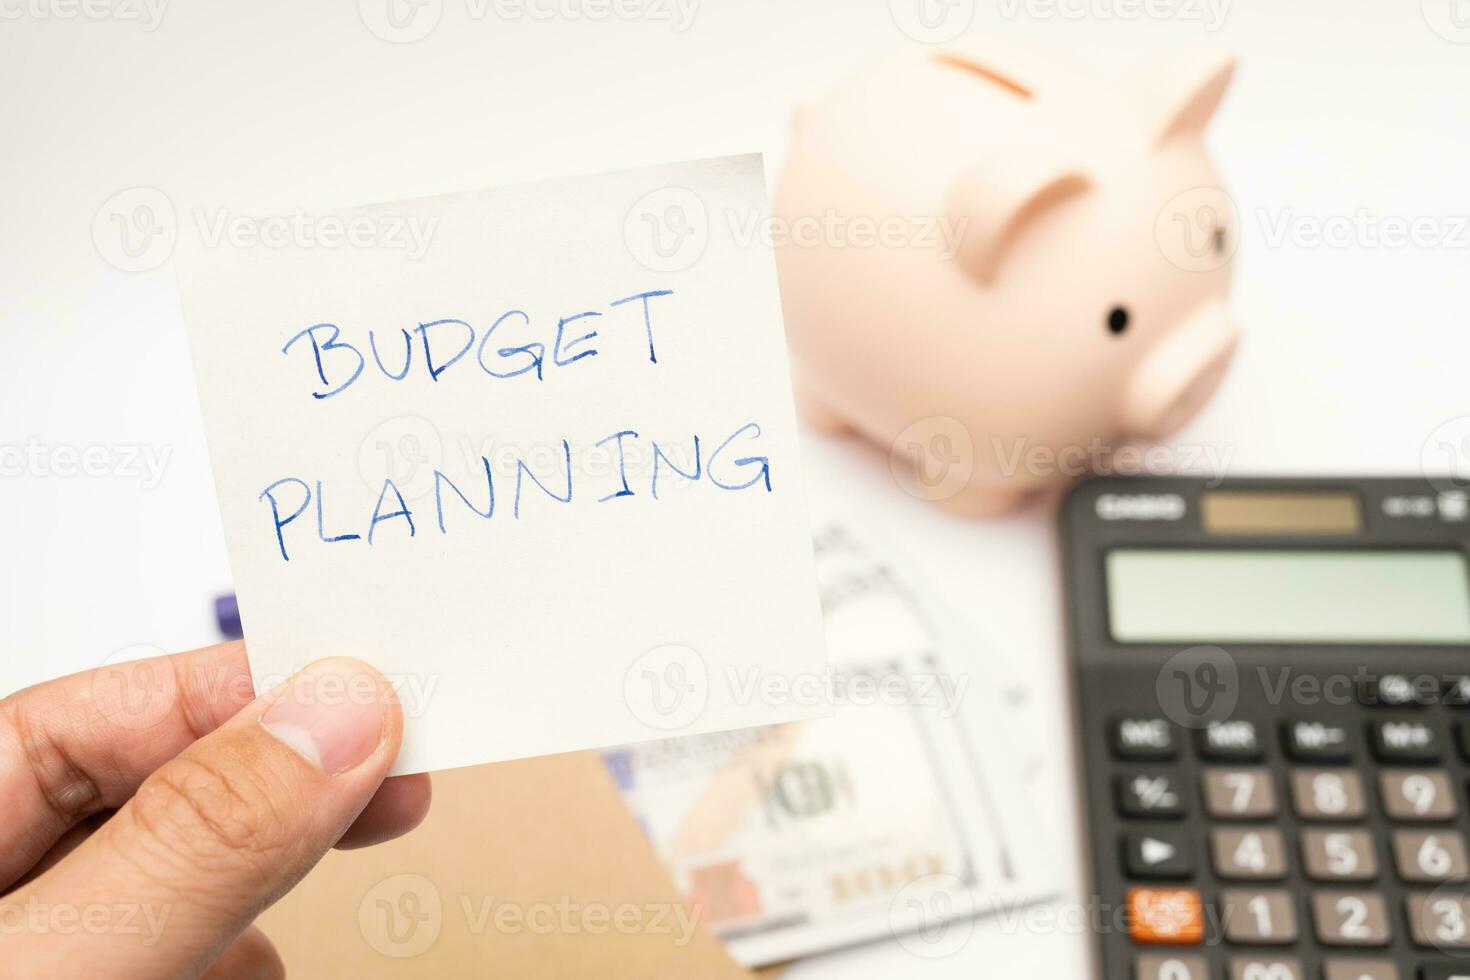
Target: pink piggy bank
[1002, 268]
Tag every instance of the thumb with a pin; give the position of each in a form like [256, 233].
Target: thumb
[226, 828]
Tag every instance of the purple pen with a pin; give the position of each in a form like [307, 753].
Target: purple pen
[227, 616]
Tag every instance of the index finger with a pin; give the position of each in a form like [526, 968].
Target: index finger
[72, 747]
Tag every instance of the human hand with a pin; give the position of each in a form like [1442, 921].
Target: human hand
[152, 810]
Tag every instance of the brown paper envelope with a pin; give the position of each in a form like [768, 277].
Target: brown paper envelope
[532, 869]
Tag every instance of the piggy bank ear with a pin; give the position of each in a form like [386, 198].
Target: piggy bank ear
[1177, 97]
[994, 203]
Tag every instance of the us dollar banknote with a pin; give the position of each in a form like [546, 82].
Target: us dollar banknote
[905, 806]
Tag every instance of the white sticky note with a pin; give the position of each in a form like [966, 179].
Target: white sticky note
[369, 378]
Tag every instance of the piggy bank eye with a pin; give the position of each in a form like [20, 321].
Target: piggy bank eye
[1117, 320]
[1219, 241]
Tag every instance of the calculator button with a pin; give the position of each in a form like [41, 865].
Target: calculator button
[1230, 741]
[1393, 691]
[1243, 854]
[1429, 856]
[1414, 794]
[1149, 795]
[1155, 967]
[1439, 921]
[1172, 916]
[1360, 970]
[1242, 794]
[1405, 741]
[1444, 971]
[1339, 855]
[1266, 918]
[1317, 741]
[1154, 855]
[1145, 739]
[1350, 918]
[1327, 794]
[1269, 968]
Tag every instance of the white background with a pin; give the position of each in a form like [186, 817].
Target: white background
[1352, 357]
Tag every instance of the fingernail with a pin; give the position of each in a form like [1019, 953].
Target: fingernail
[333, 714]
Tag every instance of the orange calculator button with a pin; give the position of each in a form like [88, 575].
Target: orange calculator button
[1165, 915]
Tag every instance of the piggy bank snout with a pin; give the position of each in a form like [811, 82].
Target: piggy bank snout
[1180, 373]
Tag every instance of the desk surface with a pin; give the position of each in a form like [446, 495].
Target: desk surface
[1353, 355]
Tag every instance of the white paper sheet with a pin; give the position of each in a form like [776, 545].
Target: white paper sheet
[584, 610]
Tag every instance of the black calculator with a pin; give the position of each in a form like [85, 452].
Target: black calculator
[1272, 692]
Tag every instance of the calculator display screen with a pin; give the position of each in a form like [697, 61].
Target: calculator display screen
[1286, 596]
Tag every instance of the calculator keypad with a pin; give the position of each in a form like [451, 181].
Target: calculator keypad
[1309, 849]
